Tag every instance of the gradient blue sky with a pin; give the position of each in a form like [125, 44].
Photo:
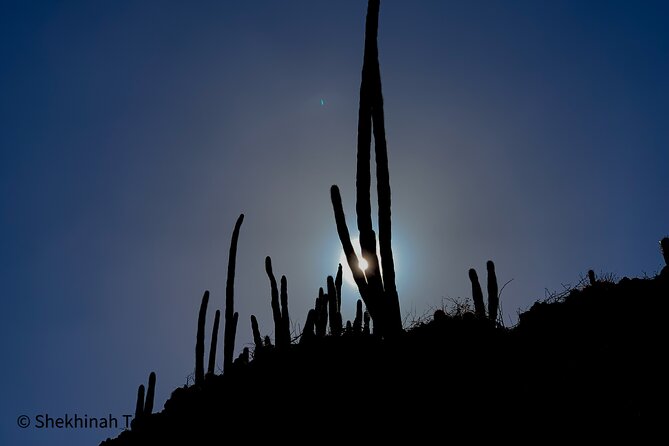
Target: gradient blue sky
[134, 133]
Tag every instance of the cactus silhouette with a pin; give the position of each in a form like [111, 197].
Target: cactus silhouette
[280, 313]
[335, 315]
[338, 282]
[493, 292]
[357, 322]
[144, 406]
[366, 328]
[231, 317]
[139, 407]
[199, 340]
[150, 394]
[477, 294]
[308, 331]
[664, 245]
[378, 290]
[257, 339]
[591, 277]
[321, 313]
[214, 340]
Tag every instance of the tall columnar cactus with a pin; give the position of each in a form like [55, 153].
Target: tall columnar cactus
[199, 340]
[493, 292]
[279, 313]
[357, 322]
[477, 294]
[144, 407]
[139, 407]
[335, 315]
[231, 317]
[338, 282]
[377, 290]
[214, 341]
[366, 328]
[664, 245]
[321, 313]
[591, 277]
[308, 331]
[150, 394]
[257, 339]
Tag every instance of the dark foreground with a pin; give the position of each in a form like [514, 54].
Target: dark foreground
[590, 365]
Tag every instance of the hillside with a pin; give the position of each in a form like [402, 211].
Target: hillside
[589, 362]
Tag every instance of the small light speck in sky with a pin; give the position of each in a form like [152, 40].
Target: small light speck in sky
[322, 102]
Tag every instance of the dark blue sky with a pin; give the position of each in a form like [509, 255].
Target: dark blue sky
[134, 133]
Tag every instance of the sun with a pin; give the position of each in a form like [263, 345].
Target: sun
[362, 263]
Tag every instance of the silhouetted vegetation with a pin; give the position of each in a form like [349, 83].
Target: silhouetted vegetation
[377, 289]
[587, 361]
[231, 316]
[279, 313]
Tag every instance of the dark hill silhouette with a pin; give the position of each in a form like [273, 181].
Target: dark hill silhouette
[589, 364]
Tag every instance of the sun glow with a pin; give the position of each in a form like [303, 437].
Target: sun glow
[362, 263]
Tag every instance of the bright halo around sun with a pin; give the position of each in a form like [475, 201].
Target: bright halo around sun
[346, 271]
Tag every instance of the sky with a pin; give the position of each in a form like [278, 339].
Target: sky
[133, 134]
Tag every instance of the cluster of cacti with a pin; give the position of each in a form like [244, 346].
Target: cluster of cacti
[230, 319]
[493, 293]
[327, 307]
[279, 313]
[378, 290]
[144, 406]
[334, 303]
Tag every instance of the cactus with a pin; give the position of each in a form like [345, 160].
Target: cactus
[144, 407]
[321, 313]
[231, 317]
[357, 322]
[214, 340]
[199, 340]
[308, 331]
[477, 294]
[493, 292]
[366, 328]
[285, 320]
[150, 394]
[279, 313]
[335, 315]
[257, 339]
[591, 277]
[338, 282]
[664, 245]
[139, 408]
[379, 293]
